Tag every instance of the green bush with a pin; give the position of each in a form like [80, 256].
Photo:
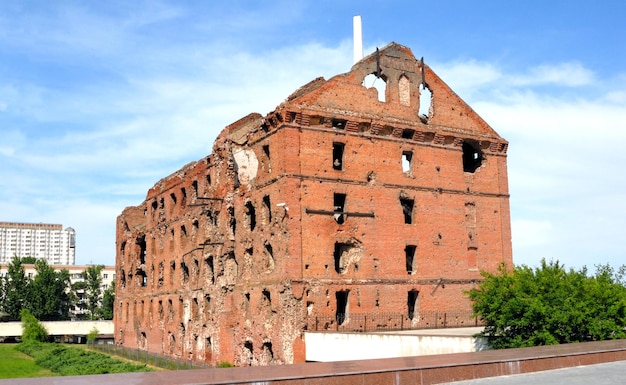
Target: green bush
[550, 305]
[69, 361]
[32, 329]
[224, 364]
[93, 334]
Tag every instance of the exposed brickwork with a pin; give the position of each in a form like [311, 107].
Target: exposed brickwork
[333, 203]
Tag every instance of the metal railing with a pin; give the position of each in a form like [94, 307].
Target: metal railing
[359, 322]
[147, 358]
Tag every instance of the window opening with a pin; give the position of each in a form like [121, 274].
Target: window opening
[425, 101]
[268, 208]
[266, 150]
[172, 271]
[267, 296]
[173, 196]
[208, 179]
[338, 149]
[185, 272]
[346, 254]
[141, 242]
[472, 157]
[183, 200]
[195, 308]
[408, 133]
[407, 209]
[409, 252]
[404, 91]
[267, 354]
[194, 185]
[251, 214]
[208, 345]
[209, 269]
[339, 204]
[196, 267]
[269, 252]
[339, 124]
[342, 306]
[412, 304]
[379, 83]
[232, 220]
[142, 278]
[407, 157]
[249, 351]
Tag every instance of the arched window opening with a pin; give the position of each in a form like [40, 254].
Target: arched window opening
[404, 90]
[379, 83]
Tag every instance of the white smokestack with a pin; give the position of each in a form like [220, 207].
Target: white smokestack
[358, 38]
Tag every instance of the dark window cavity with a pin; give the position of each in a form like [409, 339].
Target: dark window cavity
[408, 133]
[409, 252]
[338, 149]
[339, 202]
[472, 157]
[339, 124]
[267, 208]
[412, 304]
[251, 215]
[407, 209]
[141, 242]
[342, 306]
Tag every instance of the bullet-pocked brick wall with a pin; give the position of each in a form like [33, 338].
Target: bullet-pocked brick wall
[340, 202]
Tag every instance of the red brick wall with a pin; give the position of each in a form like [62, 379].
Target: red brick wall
[233, 256]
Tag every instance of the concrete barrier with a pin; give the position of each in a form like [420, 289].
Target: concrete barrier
[327, 347]
[59, 328]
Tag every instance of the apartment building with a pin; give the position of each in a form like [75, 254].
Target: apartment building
[40, 240]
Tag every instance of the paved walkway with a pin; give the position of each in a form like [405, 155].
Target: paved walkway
[611, 373]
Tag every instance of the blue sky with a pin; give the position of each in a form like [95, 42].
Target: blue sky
[99, 100]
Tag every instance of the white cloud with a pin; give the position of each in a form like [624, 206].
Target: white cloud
[562, 74]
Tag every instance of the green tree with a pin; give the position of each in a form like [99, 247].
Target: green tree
[50, 300]
[29, 260]
[549, 305]
[77, 296]
[32, 329]
[108, 302]
[16, 288]
[93, 289]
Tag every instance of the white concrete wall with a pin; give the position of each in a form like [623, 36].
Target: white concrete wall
[326, 347]
[14, 329]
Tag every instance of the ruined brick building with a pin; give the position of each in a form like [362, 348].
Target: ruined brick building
[339, 202]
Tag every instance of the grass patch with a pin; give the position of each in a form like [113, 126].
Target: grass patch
[15, 364]
[70, 361]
